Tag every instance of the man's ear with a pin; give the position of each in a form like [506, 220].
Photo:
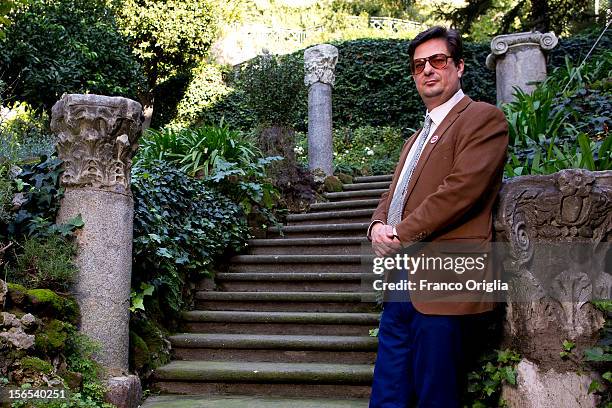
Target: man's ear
[460, 68]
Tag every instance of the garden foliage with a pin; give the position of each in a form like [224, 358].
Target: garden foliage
[373, 85]
[181, 227]
[65, 46]
[564, 122]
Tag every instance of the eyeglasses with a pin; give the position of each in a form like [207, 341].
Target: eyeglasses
[437, 61]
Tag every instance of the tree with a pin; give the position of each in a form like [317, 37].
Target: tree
[166, 36]
[57, 46]
[560, 16]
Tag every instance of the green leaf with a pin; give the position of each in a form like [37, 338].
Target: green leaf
[76, 221]
[595, 386]
[597, 354]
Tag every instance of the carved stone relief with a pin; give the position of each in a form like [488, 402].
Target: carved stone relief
[558, 229]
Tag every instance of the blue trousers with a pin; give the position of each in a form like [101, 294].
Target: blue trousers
[419, 359]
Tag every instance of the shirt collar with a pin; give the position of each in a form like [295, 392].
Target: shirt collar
[439, 112]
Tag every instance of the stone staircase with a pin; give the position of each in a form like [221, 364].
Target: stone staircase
[287, 325]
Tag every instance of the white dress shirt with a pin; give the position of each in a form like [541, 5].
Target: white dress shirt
[437, 115]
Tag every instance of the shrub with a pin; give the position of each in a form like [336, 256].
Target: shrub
[24, 133]
[44, 262]
[366, 150]
[72, 46]
[181, 227]
[562, 123]
[227, 160]
[273, 87]
[205, 89]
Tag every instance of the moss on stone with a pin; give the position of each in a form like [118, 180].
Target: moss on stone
[154, 337]
[345, 178]
[16, 293]
[49, 303]
[139, 352]
[332, 184]
[36, 364]
[52, 339]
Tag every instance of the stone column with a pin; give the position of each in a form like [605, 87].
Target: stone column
[97, 138]
[319, 64]
[519, 59]
[559, 233]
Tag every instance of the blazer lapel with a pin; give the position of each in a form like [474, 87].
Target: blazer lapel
[450, 118]
[400, 165]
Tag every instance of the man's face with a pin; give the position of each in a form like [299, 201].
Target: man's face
[436, 86]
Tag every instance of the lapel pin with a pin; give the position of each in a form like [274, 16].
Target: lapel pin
[434, 139]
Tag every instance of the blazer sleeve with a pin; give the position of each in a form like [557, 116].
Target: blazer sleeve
[480, 155]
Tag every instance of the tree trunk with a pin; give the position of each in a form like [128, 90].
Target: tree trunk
[147, 100]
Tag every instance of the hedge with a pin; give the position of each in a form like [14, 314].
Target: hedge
[373, 84]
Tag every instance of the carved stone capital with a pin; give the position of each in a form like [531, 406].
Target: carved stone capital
[559, 229]
[319, 64]
[97, 138]
[503, 43]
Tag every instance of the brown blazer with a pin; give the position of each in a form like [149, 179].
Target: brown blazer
[453, 188]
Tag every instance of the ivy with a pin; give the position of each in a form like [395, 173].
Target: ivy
[181, 227]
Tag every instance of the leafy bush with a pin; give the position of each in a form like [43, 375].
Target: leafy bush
[227, 160]
[564, 122]
[484, 384]
[24, 133]
[181, 227]
[58, 46]
[274, 87]
[293, 180]
[40, 191]
[366, 150]
[205, 89]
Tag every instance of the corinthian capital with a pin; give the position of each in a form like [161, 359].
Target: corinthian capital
[319, 64]
[97, 138]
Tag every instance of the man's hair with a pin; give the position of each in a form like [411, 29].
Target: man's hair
[452, 37]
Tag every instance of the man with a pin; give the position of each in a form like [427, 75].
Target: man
[443, 189]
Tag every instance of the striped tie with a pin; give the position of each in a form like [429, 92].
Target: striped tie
[397, 202]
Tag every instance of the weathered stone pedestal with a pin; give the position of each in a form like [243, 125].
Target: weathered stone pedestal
[319, 64]
[97, 138]
[519, 60]
[559, 232]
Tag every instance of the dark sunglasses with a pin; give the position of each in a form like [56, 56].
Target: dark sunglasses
[437, 61]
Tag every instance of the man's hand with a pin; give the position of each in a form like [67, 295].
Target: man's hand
[383, 240]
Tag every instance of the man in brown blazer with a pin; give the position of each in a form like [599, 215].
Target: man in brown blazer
[443, 190]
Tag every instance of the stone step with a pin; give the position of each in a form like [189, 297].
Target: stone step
[261, 390]
[281, 317]
[261, 372]
[280, 281]
[345, 216]
[296, 263]
[352, 195]
[286, 301]
[245, 401]
[357, 229]
[265, 378]
[309, 246]
[370, 179]
[274, 348]
[304, 323]
[273, 341]
[367, 185]
[343, 205]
